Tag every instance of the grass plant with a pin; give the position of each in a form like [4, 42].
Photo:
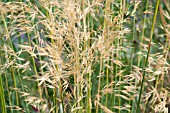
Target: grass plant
[84, 56]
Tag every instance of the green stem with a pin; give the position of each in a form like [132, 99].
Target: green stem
[2, 96]
[132, 52]
[105, 36]
[146, 62]
[11, 67]
[89, 87]
[99, 83]
[143, 32]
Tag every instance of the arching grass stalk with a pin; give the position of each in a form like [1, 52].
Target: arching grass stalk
[146, 61]
[167, 44]
[165, 54]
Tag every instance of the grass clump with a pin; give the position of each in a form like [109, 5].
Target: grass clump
[84, 56]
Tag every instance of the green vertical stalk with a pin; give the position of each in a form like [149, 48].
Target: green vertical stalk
[112, 103]
[24, 103]
[34, 66]
[54, 101]
[131, 102]
[105, 36]
[8, 91]
[140, 49]
[133, 38]
[15, 85]
[78, 82]
[2, 96]
[88, 77]
[99, 83]
[131, 64]
[115, 72]
[11, 67]
[88, 110]
[2, 60]
[143, 31]
[146, 62]
[120, 42]
[107, 82]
